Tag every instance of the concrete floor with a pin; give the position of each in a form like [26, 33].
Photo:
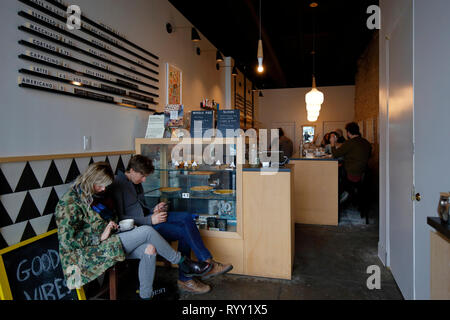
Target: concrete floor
[330, 264]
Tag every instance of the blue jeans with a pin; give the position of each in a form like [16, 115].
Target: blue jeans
[181, 227]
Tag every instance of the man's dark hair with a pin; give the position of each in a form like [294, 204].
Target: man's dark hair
[281, 132]
[353, 128]
[141, 164]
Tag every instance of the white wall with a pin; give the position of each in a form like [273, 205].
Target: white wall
[288, 105]
[431, 125]
[431, 130]
[38, 123]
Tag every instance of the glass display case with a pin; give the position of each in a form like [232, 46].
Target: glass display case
[197, 177]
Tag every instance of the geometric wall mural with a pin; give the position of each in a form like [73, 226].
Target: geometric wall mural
[30, 191]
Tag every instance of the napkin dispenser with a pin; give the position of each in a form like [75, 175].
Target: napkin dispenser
[443, 207]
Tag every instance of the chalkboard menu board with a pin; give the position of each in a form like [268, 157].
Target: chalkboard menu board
[201, 121]
[228, 120]
[32, 271]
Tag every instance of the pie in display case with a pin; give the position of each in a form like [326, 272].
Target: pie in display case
[195, 176]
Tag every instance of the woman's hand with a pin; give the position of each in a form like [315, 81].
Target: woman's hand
[109, 228]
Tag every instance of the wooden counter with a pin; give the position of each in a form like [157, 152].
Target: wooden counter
[440, 261]
[266, 246]
[269, 228]
[316, 191]
[263, 242]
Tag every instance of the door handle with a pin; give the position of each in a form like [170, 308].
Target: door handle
[418, 197]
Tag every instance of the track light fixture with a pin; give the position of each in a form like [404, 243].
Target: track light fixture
[261, 95]
[195, 37]
[234, 71]
[219, 57]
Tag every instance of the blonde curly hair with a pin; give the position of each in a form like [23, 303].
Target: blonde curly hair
[100, 174]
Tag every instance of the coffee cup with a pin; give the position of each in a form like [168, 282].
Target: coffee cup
[126, 225]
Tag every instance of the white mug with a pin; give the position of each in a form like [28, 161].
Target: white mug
[126, 225]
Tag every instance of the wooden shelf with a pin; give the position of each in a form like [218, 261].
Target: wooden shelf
[62, 156]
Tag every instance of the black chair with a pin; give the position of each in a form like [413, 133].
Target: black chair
[359, 195]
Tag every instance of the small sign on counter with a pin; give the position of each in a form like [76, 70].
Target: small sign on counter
[155, 128]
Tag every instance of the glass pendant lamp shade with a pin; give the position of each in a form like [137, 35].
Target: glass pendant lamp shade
[260, 44]
[260, 56]
[314, 100]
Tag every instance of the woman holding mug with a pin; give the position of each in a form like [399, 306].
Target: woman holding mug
[89, 244]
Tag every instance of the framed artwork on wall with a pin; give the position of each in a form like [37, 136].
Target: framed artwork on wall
[174, 85]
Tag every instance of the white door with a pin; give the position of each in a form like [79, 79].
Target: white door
[401, 157]
[289, 131]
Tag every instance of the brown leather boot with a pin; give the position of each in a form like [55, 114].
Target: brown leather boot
[193, 286]
[217, 269]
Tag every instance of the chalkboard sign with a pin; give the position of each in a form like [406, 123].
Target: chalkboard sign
[201, 121]
[32, 270]
[228, 120]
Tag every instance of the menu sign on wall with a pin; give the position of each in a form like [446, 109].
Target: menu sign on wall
[228, 121]
[97, 52]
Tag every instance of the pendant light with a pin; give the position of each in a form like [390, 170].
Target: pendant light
[314, 98]
[260, 44]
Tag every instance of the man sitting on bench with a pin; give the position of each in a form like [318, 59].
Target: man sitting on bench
[128, 194]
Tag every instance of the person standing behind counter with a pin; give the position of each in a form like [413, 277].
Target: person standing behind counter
[128, 194]
[88, 245]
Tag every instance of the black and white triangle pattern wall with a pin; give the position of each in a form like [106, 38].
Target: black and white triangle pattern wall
[30, 191]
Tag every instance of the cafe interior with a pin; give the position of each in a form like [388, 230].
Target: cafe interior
[95, 81]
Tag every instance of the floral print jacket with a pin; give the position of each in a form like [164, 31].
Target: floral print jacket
[83, 257]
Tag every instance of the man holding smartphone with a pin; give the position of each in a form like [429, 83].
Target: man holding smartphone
[128, 195]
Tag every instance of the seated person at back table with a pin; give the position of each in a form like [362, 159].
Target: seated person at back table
[356, 152]
[286, 144]
[128, 195]
[326, 143]
[340, 134]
